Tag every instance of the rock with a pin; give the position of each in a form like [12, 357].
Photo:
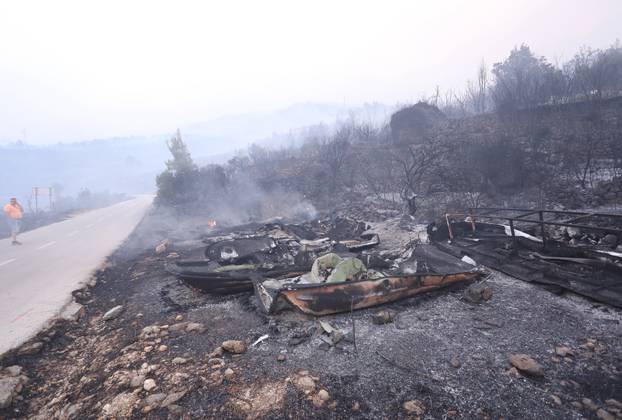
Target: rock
[356, 406]
[195, 327]
[216, 353]
[163, 347]
[609, 240]
[526, 364]
[324, 395]
[121, 406]
[149, 384]
[29, 349]
[161, 248]
[455, 362]
[229, 373]
[9, 388]
[604, 414]
[179, 361]
[415, 407]
[155, 399]
[179, 378]
[610, 402]
[556, 400]
[451, 414]
[113, 313]
[305, 384]
[383, 317]
[173, 398]
[577, 405]
[281, 357]
[478, 293]
[234, 346]
[151, 330]
[17, 370]
[216, 361]
[148, 349]
[179, 318]
[239, 407]
[563, 351]
[180, 326]
[589, 404]
[73, 311]
[136, 381]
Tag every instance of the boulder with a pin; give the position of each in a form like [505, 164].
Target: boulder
[113, 313]
[383, 317]
[526, 364]
[478, 293]
[9, 388]
[234, 346]
[415, 407]
[121, 406]
[172, 398]
[149, 384]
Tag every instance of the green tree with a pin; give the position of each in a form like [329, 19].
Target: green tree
[181, 160]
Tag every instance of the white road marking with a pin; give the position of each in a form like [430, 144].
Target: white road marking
[47, 245]
[7, 262]
[75, 232]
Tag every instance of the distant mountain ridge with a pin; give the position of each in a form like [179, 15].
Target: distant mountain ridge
[130, 164]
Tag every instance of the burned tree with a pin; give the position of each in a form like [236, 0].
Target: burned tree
[334, 153]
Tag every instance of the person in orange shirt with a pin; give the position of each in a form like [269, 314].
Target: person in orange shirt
[14, 213]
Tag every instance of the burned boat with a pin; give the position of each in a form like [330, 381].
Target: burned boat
[320, 274]
[330, 298]
[338, 284]
[230, 279]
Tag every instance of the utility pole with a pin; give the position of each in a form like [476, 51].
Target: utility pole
[36, 191]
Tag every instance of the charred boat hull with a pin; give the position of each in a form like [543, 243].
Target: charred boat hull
[200, 275]
[324, 299]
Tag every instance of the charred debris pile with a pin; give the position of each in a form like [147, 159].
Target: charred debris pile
[339, 264]
[320, 267]
[579, 251]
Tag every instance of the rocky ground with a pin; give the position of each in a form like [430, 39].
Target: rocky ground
[147, 346]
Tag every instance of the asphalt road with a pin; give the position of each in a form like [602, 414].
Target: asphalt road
[37, 278]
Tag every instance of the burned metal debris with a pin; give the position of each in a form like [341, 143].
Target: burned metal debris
[319, 267]
[563, 250]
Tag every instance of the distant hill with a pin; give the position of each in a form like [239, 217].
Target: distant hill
[130, 164]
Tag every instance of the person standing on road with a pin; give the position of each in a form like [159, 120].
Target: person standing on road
[14, 213]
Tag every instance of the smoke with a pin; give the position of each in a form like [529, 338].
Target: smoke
[245, 201]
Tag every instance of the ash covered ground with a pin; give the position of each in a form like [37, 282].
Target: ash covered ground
[441, 356]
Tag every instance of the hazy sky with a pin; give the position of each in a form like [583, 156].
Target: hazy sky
[77, 70]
